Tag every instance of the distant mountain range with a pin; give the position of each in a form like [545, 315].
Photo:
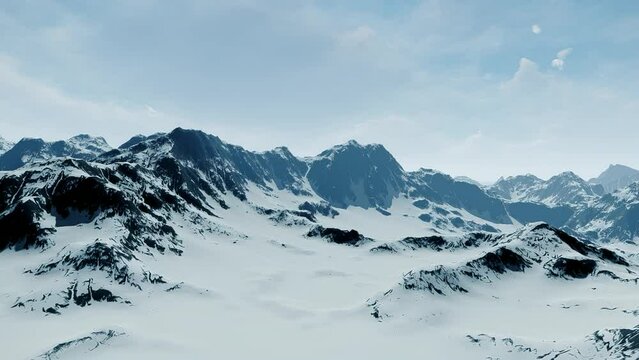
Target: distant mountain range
[29, 150]
[201, 169]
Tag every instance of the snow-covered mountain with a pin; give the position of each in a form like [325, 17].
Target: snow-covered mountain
[616, 177]
[468, 180]
[502, 289]
[5, 145]
[169, 241]
[563, 189]
[614, 216]
[352, 174]
[32, 150]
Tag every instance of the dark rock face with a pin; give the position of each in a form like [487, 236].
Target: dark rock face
[352, 174]
[85, 298]
[321, 208]
[623, 342]
[138, 139]
[74, 191]
[439, 281]
[533, 246]
[84, 294]
[111, 259]
[441, 188]
[443, 280]
[21, 226]
[504, 259]
[12, 159]
[584, 248]
[526, 212]
[576, 269]
[338, 236]
[198, 165]
[436, 243]
[421, 203]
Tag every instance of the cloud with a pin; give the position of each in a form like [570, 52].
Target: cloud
[526, 76]
[359, 36]
[559, 61]
[34, 108]
[536, 29]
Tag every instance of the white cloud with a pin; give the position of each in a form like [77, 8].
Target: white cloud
[526, 76]
[34, 108]
[559, 62]
[357, 37]
[536, 29]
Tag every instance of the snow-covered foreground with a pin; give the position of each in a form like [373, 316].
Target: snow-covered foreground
[270, 292]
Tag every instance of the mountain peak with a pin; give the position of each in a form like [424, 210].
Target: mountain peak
[355, 174]
[35, 149]
[5, 145]
[616, 176]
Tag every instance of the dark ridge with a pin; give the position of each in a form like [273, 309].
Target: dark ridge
[21, 228]
[12, 159]
[85, 298]
[584, 248]
[502, 260]
[526, 212]
[338, 236]
[421, 203]
[577, 269]
[321, 208]
[420, 281]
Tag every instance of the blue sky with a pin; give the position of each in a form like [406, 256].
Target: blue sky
[477, 88]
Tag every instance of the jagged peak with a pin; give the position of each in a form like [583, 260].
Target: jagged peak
[281, 151]
[620, 166]
[31, 140]
[567, 174]
[354, 144]
[527, 176]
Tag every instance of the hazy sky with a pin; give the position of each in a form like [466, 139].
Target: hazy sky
[477, 88]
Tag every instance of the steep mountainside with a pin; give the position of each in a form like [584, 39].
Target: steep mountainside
[442, 188]
[352, 174]
[613, 217]
[616, 177]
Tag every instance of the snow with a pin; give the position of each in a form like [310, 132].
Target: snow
[266, 291]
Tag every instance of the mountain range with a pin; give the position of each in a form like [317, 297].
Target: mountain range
[186, 218]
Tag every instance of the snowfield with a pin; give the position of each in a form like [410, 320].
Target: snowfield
[270, 292]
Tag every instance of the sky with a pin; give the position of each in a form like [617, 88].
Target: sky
[476, 88]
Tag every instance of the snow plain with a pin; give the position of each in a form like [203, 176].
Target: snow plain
[252, 288]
